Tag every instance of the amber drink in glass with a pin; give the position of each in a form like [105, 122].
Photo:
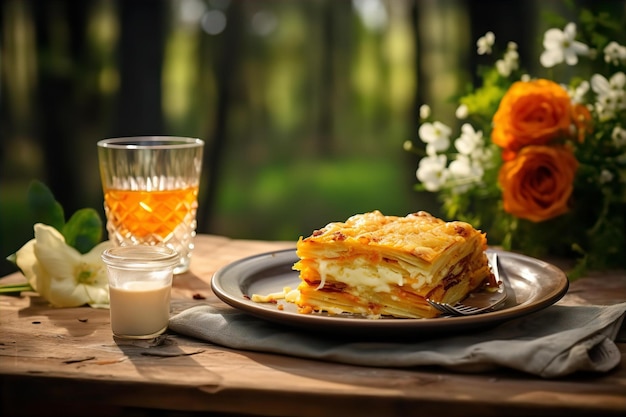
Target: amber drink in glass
[150, 189]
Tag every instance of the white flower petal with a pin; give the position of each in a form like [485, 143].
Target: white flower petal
[65, 293]
[460, 167]
[579, 48]
[618, 81]
[432, 172]
[53, 253]
[462, 112]
[550, 58]
[618, 136]
[94, 256]
[553, 38]
[570, 31]
[571, 58]
[600, 85]
[605, 176]
[503, 68]
[60, 274]
[27, 262]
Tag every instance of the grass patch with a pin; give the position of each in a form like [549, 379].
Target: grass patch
[284, 201]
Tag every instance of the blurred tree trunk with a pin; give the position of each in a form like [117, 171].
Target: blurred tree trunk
[60, 33]
[326, 102]
[226, 69]
[138, 109]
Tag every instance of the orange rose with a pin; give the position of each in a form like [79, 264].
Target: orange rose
[538, 183]
[530, 113]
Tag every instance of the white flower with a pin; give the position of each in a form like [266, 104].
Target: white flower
[618, 136]
[578, 94]
[482, 156]
[462, 112]
[605, 176]
[461, 167]
[611, 94]
[561, 46]
[469, 140]
[432, 172]
[617, 82]
[614, 53]
[60, 274]
[510, 61]
[436, 136]
[608, 104]
[485, 43]
[463, 173]
[424, 111]
[599, 84]
[502, 68]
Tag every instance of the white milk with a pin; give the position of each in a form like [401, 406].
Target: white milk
[140, 309]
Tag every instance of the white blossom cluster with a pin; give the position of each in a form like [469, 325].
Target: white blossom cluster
[471, 156]
[465, 170]
[610, 95]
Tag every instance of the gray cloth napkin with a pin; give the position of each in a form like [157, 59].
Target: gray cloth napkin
[553, 342]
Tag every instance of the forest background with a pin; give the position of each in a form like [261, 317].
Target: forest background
[304, 105]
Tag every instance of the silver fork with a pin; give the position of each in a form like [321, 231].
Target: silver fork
[457, 309]
[460, 309]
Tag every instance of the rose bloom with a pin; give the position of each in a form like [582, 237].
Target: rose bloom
[538, 182]
[531, 113]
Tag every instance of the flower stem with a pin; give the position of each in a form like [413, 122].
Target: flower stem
[15, 288]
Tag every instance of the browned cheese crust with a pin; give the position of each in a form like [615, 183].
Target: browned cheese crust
[376, 265]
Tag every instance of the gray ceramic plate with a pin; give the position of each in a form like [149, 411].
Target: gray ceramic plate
[530, 285]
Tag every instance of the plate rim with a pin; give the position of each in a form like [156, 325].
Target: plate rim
[283, 256]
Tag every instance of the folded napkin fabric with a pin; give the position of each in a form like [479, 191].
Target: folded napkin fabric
[553, 342]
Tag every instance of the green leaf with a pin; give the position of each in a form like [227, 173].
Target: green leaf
[83, 231]
[44, 206]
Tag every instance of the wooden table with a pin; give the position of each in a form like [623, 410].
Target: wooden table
[65, 362]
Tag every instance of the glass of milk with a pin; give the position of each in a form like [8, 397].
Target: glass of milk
[140, 283]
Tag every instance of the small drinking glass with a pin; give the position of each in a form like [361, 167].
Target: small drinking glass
[140, 283]
[150, 186]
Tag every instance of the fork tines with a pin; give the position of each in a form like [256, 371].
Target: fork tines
[456, 310]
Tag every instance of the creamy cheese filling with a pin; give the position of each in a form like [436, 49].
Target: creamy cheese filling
[360, 273]
[380, 277]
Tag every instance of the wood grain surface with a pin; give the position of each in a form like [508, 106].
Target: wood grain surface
[65, 362]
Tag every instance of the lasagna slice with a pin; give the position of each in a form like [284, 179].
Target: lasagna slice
[376, 265]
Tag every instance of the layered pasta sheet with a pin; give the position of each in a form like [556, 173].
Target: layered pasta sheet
[376, 265]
